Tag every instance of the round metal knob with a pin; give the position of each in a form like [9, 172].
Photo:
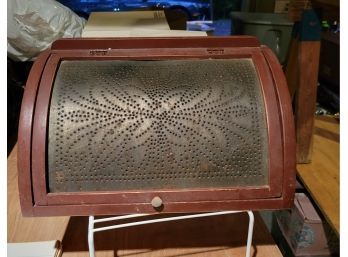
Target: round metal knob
[156, 202]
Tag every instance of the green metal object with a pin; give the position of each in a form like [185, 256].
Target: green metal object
[272, 29]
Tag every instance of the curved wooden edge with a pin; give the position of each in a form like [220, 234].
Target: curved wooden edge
[39, 127]
[288, 132]
[25, 134]
[275, 147]
[163, 42]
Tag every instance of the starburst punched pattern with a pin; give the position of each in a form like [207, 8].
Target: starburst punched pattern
[156, 124]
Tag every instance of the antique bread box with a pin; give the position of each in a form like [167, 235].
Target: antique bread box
[146, 125]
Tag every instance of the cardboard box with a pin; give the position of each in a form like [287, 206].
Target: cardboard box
[281, 6]
[136, 24]
[305, 232]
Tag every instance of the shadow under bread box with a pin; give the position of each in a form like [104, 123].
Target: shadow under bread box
[146, 125]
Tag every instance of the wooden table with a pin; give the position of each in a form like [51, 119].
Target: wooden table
[21, 229]
[321, 177]
[204, 237]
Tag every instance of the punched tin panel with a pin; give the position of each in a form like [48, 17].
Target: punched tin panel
[169, 124]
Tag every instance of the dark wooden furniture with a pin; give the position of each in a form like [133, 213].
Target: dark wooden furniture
[46, 191]
[302, 77]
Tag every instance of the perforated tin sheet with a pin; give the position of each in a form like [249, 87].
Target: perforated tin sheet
[138, 125]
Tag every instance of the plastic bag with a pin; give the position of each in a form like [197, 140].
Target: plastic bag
[33, 25]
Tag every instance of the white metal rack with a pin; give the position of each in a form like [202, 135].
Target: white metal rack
[92, 221]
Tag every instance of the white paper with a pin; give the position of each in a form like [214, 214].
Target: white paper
[33, 249]
[144, 33]
[120, 21]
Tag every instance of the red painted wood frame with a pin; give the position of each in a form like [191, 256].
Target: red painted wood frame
[32, 156]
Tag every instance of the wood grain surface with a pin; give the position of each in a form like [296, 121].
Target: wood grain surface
[321, 177]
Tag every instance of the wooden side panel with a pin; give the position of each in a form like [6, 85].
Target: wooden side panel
[25, 136]
[288, 127]
[305, 99]
[40, 124]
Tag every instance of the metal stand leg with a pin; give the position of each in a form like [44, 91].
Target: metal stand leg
[250, 233]
[91, 236]
[92, 221]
